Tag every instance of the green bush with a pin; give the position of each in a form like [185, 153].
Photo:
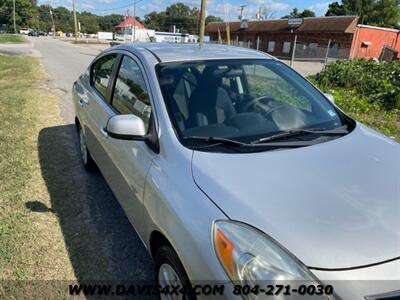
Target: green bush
[377, 82]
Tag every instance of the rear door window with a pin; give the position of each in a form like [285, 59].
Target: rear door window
[101, 73]
[130, 93]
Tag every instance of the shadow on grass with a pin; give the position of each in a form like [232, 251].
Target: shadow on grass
[101, 242]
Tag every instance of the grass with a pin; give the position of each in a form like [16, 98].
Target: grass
[12, 38]
[57, 223]
[27, 239]
[373, 115]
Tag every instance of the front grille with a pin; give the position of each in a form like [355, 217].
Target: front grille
[386, 296]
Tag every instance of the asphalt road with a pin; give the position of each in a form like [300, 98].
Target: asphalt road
[101, 242]
[64, 62]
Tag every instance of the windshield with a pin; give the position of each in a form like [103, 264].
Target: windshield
[242, 100]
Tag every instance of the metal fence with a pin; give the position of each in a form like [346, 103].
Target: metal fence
[306, 57]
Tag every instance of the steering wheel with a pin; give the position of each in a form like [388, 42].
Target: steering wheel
[253, 102]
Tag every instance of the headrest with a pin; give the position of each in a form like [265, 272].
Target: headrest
[219, 73]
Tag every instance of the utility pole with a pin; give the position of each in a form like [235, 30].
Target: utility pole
[52, 20]
[75, 21]
[294, 49]
[202, 21]
[241, 12]
[134, 21]
[228, 34]
[15, 24]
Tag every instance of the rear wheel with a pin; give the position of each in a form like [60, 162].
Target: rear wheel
[86, 158]
[170, 272]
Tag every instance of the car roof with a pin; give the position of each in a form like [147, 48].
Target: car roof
[170, 52]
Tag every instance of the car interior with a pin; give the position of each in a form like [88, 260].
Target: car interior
[215, 100]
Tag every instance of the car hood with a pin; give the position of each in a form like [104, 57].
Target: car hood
[333, 205]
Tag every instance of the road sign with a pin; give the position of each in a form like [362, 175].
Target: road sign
[295, 21]
[244, 24]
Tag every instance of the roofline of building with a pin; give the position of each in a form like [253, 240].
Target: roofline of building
[378, 28]
[272, 20]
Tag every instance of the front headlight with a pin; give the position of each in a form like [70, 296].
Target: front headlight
[250, 256]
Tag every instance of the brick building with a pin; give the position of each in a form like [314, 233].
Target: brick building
[375, 42]
[313, 36]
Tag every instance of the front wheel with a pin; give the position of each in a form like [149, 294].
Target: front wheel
[86, 158]
[170, 272]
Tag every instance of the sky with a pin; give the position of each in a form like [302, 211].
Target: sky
[277, 8]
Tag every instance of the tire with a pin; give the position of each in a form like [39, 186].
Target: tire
[86, 158]
[166, 257]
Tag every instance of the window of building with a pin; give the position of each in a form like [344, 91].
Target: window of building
[271, 46]
[130, 93]
[101, 73]
[313, 45]
[286, 47]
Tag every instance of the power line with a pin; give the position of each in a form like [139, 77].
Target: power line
[115, 8]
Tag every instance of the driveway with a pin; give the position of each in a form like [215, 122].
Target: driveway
[101, 242]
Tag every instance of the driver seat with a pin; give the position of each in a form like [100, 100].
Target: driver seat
[209, 103]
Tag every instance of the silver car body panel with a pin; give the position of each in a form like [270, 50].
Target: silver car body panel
[160, 191]
[336, 197]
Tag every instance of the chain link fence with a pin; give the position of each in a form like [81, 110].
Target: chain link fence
[307, 57]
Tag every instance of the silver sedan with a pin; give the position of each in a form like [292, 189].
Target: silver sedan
[233, 168]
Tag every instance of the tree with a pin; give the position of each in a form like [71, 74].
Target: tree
[385, 13]
[335, 9]
[44, 17]
[182, 16]
[63, 19]
[212, 18]
[108, 23]
[307, 13]
[295, 13]
[26, 14]
[155, 20]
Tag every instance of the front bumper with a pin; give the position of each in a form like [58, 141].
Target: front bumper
[371, 283]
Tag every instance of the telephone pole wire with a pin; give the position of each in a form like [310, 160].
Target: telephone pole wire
[202, 21]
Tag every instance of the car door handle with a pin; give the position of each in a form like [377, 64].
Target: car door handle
[103, 132]
[83, 100]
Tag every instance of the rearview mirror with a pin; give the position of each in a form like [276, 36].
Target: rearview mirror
[330, 97]
[126, 127]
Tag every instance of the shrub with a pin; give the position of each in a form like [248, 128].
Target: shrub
[377, 82]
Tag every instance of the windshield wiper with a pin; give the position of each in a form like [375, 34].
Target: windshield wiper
[215, 140]
[336, 131]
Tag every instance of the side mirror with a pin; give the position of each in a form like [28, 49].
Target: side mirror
[330, 97]
[126, 127]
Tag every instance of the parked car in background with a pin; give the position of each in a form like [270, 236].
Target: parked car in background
[34, 33]
[90, 35]
[118, 37]
[25, 31]
[234, 168]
